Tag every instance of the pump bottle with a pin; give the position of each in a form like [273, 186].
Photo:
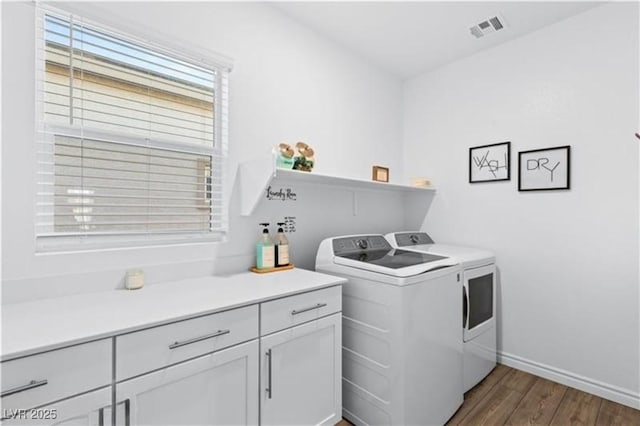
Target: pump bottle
[265, 250]
[282, 247]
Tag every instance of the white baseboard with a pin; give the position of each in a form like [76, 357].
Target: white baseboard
[603, 390]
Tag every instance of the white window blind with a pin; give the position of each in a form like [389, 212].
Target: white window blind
[131, 140]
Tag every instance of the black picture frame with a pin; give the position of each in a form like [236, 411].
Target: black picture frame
[484, 159]
[552, 175]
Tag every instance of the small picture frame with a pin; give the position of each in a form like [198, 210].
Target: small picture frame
[490, 163]
[545, 169]
[380, 174]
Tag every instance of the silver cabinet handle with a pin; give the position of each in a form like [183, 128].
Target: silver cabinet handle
[199, 339]
[310, 308]
[127, 412]
[32, 384]
[268, 389]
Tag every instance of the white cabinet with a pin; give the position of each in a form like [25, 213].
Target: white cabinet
[90, 409]
[216, 389]
[300, 371]
[58, 375]
[301, 374]
[199, 369]
[39, 379]
[290, 311]
[157, 347]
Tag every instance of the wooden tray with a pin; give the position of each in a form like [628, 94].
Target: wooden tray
[276, 269]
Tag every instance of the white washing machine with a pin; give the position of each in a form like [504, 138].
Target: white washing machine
[401, 335]
[479, 300]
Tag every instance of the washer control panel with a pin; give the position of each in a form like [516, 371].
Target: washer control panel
[412, 239]
[359, 243]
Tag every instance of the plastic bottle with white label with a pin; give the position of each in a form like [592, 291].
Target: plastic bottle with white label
[282, 247]
[265, 250]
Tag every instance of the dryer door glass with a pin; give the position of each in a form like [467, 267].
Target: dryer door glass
[480, 300]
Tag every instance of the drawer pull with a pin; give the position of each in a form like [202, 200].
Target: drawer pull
[32, 384]
[310, 308]
[269, 388]
[199, 339]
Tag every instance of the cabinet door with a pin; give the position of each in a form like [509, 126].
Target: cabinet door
[301, 374]
[90, 409]
[216, 389]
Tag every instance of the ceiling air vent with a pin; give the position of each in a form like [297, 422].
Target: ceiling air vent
[488, 26]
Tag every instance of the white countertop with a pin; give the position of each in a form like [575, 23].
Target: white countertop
[32, 327]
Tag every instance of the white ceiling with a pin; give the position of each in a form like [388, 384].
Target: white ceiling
[409, 38]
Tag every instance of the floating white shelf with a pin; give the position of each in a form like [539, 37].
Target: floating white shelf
[255, 176]
[320, 179]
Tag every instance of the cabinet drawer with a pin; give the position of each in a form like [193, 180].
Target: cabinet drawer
[85, 409]
[289, 311]
[38, 379]
[147, 350]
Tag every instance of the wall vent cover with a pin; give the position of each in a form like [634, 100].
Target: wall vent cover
[488, 26]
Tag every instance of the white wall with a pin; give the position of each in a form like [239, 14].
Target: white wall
[288, 84]
[568, 260]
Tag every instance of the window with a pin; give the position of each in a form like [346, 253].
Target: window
[131, 139]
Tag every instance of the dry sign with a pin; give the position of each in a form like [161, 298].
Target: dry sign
[544, 169]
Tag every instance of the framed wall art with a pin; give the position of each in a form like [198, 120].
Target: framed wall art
[490, 163]
[544, 169]
[380, 174]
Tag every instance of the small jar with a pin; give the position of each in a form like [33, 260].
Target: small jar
[134, 279]
[284, 156]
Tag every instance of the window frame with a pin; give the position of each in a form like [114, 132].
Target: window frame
[46, 132]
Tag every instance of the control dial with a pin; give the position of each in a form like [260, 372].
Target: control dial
[414, 238]
[362, 244]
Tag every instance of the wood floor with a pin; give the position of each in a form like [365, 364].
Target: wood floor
[513, 397]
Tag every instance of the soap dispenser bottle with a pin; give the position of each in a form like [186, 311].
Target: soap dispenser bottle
[265, 250]
[282, 247]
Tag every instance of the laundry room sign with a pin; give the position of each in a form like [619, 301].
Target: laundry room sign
[280, 194]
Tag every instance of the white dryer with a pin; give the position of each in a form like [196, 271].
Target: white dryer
[401, 335]
[478, 300]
